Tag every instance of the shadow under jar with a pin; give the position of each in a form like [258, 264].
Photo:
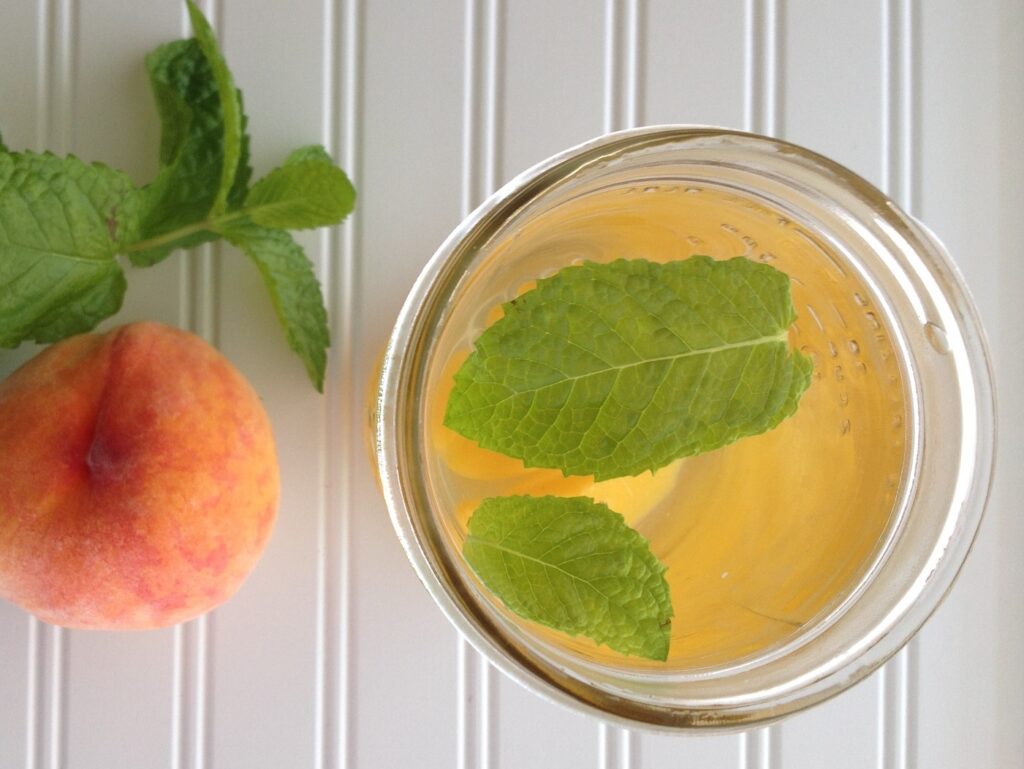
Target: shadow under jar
[798, 560]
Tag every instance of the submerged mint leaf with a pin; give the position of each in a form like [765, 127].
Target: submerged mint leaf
[574, 565]
[294, 291]
[614, 369]
[61, 224]
[230, 104]
[307, 191]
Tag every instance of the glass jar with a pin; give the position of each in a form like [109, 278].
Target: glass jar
[907, 286]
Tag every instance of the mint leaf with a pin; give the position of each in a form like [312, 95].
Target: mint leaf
[230, 105]
[61, 224]
[190, 149]
[307, 191]
[3, 147]
[574, 565]
[309, 152]
[192, 152]
[243, 171]
[613, 369]
[294, 291]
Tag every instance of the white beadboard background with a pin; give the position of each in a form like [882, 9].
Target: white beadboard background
[332, 656]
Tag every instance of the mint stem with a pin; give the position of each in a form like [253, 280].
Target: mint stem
[211, 225]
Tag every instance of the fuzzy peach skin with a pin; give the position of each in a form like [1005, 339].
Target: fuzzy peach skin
[138, 479]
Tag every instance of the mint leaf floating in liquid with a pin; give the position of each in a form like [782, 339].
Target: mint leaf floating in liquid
[574, 565]
[61, 223]
[614, 369]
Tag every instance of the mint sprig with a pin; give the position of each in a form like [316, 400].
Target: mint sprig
[611, 370]
[64, 223]
[574, 565]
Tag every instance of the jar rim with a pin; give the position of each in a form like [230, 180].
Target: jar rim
[925, 259]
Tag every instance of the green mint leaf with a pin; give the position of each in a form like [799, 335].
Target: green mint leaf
[294, 291]
[307, 191]
[191, 152]
[61, 224]
[243, 171]
[613, 369]
[204, 148]
[230, 105]
[3, 147]
[574, 565]
[309, 152]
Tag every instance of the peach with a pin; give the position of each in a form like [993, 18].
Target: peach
[138, 479]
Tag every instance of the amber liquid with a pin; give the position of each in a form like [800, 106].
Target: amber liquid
[762, 538]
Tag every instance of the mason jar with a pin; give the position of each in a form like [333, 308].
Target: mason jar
[800, 560]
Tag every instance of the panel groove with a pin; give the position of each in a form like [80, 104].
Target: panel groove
[634, 64]
[192, 655]
[467, 661]
[49, 645]
[327, 685]
[897, 707]
[182, 664]
[615, 746]
[37, 632]
[341, 426]
[58, 739]
[33, 699]
[351, 248]
[481, 145]
[623, 103]
[764, 60]
[611, 65]
[761, 748]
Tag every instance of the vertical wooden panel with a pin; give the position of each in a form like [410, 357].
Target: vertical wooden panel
[404, 661]
[841, 732]
[263, 644]
[553, 89]
[693, 67]
[341, 437]
[21, 86]
[832, 81]
[969, 176]
[14, 640]
[21, 91]
[1006, 326]
[659, 751]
